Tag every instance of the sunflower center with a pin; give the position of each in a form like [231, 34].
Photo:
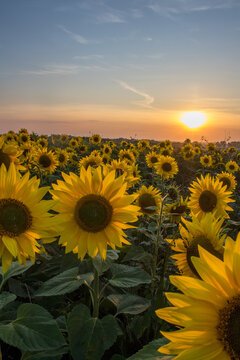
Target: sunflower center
[173, 193]
[4, 159]
[44, 161]
[90, 163]
[15, 217]
[95, 139]
[231, 167]
[154, 159]
[192, 250]
[146, 200]
[225, 181]
[207, 201]
[42, 143]
[179, 210]
[106, 150]
[61, 158]
[206, 160]
[24, 138]
[93, 213]
[128, 157]
[166, 167]
[228, 328]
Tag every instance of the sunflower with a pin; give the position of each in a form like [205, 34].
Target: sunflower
[211, 147]
[149, 200]
[62, 157]
[24, 138]
[106, 159]
[10, 138]
[166, 167]
[127, 155]
[165, 152]
[208, 195]
[46, 160]
[83, 148]
[43, 142]
[73, 142]
[231, 150]
[120, 166]
[197, 150]
[124, 144]
[134, 175]
[143, 144]
[206, 232]
[93, 211]
[24, 218]
[151, 159]
[188, 155]
[107, 149]
[228, 180]
[208, 310]
[10, 153]
[206, 160]
[186, 148]
[63, 138]
[91, 160]
[173, 192]
[231, 166]
[95, 139]
[176, 210]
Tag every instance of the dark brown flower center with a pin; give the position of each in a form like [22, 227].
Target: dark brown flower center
[96, 139]
[231, 167]
[15, 217]
[207, 201]
[61, 158]
[192, 250]
[5, 159]
[228, 328]
[178, 210]
[166, 167]
[24, 138]
[93, 213]
[225, 181]
[45, 161]
[147, 200]
[154, 159]
[206, 160]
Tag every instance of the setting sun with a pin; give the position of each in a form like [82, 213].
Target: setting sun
[193, 119]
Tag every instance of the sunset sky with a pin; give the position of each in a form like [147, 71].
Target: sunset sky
[120, 68]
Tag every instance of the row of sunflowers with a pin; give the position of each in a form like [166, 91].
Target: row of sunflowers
[97, 239]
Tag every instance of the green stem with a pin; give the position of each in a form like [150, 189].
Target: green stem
[96, 296]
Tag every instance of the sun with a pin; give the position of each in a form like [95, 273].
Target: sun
[193, 119]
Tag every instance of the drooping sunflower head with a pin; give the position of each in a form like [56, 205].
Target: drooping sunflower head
[10, 153]
[149, 200]
[228, 180]
[206, 232]
[206, 160]
[95, 139]
[166, 167]
[152, 158]
[176, 210]
[46, 160]
[231, 166]
[208, 196]
[24, 218]
[93, 211]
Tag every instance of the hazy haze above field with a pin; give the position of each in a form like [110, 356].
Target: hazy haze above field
[124, 68]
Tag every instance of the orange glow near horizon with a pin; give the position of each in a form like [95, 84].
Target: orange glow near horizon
[193, 119]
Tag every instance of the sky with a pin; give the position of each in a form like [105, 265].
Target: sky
[120, 68]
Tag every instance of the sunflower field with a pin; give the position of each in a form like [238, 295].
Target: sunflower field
[118, 249]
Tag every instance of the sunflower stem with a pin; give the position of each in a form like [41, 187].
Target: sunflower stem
[96, 296]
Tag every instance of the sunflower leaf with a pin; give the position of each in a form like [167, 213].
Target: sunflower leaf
[64, 283]
[129, 304]
[6, 298]
[30, 330]
[150, 351]
[128, 276]
[15, 269]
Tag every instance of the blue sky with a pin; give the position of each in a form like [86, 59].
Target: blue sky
[140, 62]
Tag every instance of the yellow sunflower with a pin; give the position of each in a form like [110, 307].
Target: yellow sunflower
[176, 210]
[106, 149]
[143, 144]
[63, 138]
[149, 200]
[208, 195]
[83, 148]
[62, 157]
[127, 155]
[211, 147]
[46, 160]
[10, 153]
[73, 142]
[186, 148]
[206, 160]
[166, 167]
[120, 167]
[43, 142]
[24, 138]
[93, 211]
[206, 232]
[151, 159]
[24, 217]
[95, 139]
[91, 160]
[10, 137]
[228, 180]
[231, 150]
[231, 166]
[207, 312]
[197, 150]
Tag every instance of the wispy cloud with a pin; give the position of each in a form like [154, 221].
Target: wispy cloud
[89, 57]
[111, 17]
[78, 38]
[147, 99]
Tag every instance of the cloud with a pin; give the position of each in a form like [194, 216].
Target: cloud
[78, 38]
[110, 17]
[147, 99]
[89, 57]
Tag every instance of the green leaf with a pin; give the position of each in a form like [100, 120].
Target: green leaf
[137, 253]
[150, 351]
[103, 265]
[128, 276]
[15, 269]
[6, 298]
[66, 282]
[45, 355]
[33, 330]
[90, 337]
[129, 304]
